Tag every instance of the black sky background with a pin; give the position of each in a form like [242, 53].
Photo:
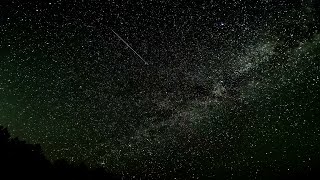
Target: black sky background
[221, 77]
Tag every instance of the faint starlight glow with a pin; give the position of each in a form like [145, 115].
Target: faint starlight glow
[229, 85]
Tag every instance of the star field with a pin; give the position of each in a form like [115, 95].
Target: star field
[164, 89]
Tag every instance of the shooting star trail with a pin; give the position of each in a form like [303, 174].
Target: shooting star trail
[129, 47]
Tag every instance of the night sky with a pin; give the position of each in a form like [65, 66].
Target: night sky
[164, 88]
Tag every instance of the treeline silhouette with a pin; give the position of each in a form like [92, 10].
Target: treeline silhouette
[19, 159]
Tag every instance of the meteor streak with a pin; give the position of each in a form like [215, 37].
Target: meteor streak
[129, 47]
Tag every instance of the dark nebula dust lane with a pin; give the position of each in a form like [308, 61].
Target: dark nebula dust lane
[167, 88]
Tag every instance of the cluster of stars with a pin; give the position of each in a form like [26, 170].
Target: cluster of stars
[154, 89]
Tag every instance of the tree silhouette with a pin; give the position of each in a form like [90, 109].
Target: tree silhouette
[27, 161]
[19, 160]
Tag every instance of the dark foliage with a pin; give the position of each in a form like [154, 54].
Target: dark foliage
[27, 161]
[19, 160]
